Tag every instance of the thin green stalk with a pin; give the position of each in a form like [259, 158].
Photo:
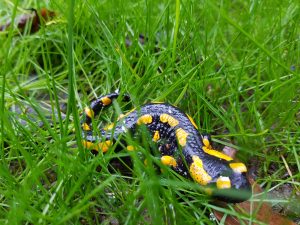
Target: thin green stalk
[176, 29]
[71, 108]
[6, 66]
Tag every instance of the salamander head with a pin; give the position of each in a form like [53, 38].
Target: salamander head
[233, 188]
[225, 180]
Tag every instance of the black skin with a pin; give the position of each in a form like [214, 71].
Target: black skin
[168, 145]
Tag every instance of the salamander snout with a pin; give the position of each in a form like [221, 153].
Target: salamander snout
[239, 190]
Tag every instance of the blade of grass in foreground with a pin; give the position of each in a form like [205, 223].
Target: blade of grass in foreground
[71, 107]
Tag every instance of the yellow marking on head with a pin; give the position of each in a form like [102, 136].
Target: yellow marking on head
[121, 116]
[89, 112]
[103, 146]
[146, 162]
[216, 154]
[223, 183]
[208, 190]
[85, 127]
[238, 167]
[156, 136]
[181, 136]
[144, 119]
[165, 118]
[192, 121]
[87, 144]
[168, 161]
[109, 126]
[126, 114]
[198, 173]
[206, 142]
[130, 148]
[106, 101]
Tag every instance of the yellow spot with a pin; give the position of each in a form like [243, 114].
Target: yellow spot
[144, 119]
[238, 167]
[85, 127]
[223, 183]
[181, 136]
[168, 161]
[165, 118]
[198, 173]
[156, 136]
[106, 101]
[216, 154]
[103, 146]
[192, 121]
[109, 126]
[130, 148]
[89, 112]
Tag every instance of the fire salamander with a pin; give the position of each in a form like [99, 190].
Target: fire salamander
[174, 131]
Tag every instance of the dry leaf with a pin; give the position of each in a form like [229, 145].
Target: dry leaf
[259, 210]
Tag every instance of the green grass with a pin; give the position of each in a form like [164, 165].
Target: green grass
[232, 65]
